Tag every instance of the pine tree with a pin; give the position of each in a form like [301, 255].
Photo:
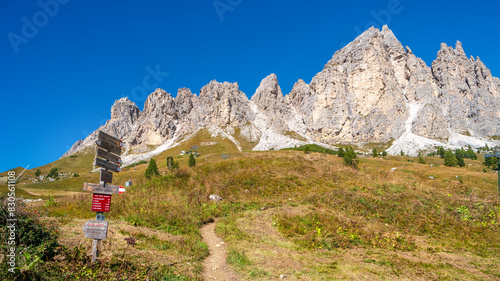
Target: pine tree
[151, 170]
[440, 151]
[374, 152]
[307, 150]
[341, 152]
[38, 172]
[471, 154]
[350, 158]
[54, 173]
[192, 161]
[449, 159]
[170, 162]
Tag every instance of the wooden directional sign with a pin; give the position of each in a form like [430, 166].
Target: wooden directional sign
[101, 189]
[95, 229]
[108, 156]
[109, 138]
[106, 176]
[107, 165]
[101, 203]
[109, 143]
[111, 147]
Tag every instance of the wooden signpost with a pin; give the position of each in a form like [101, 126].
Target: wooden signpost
[107, 157]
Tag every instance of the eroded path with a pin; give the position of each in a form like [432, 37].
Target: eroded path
[215, 266]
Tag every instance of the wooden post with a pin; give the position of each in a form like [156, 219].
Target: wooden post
[95, 251]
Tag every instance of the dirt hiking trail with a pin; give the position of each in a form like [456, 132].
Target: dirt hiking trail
[215, 266]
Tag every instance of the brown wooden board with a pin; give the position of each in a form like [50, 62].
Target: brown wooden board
[101, 189]
[106, 176]
[109, 146]
[108, 156]
[95, 229]
[107, 165]
[109, 138]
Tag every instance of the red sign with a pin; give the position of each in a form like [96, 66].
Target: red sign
[101, 203]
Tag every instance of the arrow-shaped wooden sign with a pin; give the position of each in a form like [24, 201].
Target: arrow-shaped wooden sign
[100, 188]
[108, 156]
[109, 146]
[107, 165]
[109, 138]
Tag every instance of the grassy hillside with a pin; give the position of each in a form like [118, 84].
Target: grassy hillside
[307, 216]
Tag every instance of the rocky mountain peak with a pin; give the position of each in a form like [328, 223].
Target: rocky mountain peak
[268, 95]
[125, 110]
[373, 90]
[159, 103]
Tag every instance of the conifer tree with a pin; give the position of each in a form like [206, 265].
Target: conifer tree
[192, 161]
[151, 170]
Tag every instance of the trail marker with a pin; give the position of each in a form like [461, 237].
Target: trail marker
[96, 229]
[108, 153]
[101, 203]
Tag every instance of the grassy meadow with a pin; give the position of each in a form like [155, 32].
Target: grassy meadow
[307, 216]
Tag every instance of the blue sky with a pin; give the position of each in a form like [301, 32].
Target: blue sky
[64, 63]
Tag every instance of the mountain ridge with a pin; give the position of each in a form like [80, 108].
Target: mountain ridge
[373, 90]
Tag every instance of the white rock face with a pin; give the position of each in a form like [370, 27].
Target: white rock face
[373, 90]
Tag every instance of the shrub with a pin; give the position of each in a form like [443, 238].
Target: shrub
[374, 152]
[384, 153]
[152, 169]
[38, 172]
[34, 240]
[421, 160]
[135, 164]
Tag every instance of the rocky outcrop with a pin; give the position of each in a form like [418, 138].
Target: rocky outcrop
[373, 90]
